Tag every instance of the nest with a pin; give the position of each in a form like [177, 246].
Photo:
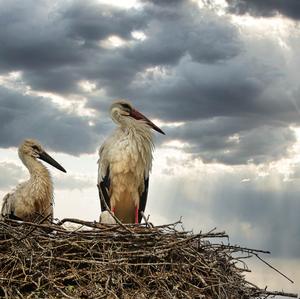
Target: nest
[121, 261]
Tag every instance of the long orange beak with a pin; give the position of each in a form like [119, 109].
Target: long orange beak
[138, 115]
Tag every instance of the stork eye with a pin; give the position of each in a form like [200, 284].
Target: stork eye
[35, 147]
[126, 106]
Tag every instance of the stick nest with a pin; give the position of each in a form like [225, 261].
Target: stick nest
[120, 261]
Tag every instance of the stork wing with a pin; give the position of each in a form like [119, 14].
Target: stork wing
[7, 209]
[143, 198]
[104, 187]
[103, 179]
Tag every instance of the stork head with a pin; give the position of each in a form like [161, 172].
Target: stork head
[32, 148]
[122, 109]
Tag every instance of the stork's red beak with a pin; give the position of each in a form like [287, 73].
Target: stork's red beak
[138, 115]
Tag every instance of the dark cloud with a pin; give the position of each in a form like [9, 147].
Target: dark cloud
[24, 116]
[239, 87]
[231, 114]
[164, 3]
[266, 8]
[90, 21]
[57, 45]
[54, 45]
[197, 34]
[61, 80]
[193, 66]
[234, 140]
[33, 38]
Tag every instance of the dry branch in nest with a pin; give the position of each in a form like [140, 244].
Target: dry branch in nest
[120, 261]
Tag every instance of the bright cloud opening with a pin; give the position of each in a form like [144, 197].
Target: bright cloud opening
[113, 41]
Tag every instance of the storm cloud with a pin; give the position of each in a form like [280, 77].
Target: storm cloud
[189, 65]
[234, 140]
[266, 8]
[23, 116]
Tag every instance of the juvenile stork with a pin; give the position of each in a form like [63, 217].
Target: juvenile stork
[125, 161]
[32, 200]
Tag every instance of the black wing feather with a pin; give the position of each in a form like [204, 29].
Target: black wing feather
[104, 185]
[143, 199]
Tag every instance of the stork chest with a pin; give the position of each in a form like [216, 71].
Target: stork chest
[130, 153]
[126, 148]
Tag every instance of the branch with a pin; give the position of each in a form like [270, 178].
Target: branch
[149, 224]
[284, 294]
[273, 267]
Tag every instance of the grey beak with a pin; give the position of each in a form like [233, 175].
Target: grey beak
[47, 158]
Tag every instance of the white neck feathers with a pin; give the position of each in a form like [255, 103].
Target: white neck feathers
[40, 178]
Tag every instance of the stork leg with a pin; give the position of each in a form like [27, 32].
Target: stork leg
[136, 216]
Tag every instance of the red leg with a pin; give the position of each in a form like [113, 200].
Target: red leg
[136, 215]
[113, 210]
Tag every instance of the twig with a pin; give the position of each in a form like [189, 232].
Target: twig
[108, 261]
[34, 228]
[292, 295]
[146, 220]
[273, 268]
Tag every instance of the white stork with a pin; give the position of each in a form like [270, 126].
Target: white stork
[125, 161]
[32, 200]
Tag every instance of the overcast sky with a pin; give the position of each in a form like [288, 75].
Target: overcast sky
[220, 77]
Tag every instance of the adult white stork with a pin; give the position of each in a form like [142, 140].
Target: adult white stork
[125, 161]
[32, 200]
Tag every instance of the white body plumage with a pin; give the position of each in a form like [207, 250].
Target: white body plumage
[127, 156]
[32, 200]
[128, 153]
